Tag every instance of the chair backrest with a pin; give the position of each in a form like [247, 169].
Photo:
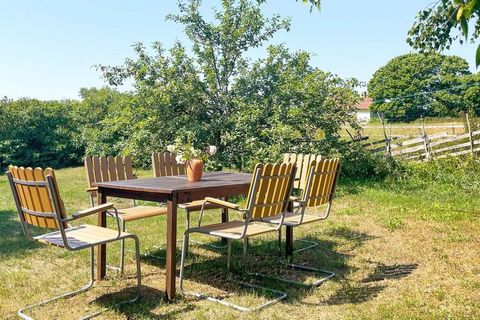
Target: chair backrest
[165, 164]
[38, 201]
[106, 169]
[302, 162]
[322, 181]
[270, 189]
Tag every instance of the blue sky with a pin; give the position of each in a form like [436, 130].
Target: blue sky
[48, 48]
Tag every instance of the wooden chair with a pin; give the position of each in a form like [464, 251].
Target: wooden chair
[321, 182]
[164, 164]
[268, 196]
[102, 169]
[39, 204]
[302, 162]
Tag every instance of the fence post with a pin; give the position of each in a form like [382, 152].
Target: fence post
[469, 127]
[387, 140]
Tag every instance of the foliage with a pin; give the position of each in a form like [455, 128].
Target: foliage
[39, 133]
[461, 173]
[253, 111]
[414, 85]
[185, 149]
[444, 22]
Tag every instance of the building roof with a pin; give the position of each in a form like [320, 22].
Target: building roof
[364, 104]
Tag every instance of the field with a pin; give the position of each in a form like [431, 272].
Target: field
[401, 249]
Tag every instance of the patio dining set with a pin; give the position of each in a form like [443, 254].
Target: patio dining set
[279, 196]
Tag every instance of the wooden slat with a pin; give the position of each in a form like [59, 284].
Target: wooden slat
[323, 183]
[35, 196]
[174, 165]
[120, 168]
[112, 169]
[168, 163]
[161, 164]
[459, 153]
[420, 139]
[298, 175]
[307, 159]
[104, 168]
[96, 169]
[20, 191]
[262, 190]
[127, 162]
[283, 186]
[181, 168]
[89, 171]
[271, 191]
[155, 161]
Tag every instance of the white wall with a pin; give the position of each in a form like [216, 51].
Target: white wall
[363, 115]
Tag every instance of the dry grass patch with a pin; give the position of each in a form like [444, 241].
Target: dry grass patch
[425, 266]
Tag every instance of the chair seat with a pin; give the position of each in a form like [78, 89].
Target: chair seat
[81, 236]
[233, 229]
[197, 205]
[140, 212]
[293, 219]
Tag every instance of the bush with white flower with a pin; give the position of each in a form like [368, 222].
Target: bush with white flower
[185, 151]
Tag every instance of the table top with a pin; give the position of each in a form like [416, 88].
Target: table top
[180, 183]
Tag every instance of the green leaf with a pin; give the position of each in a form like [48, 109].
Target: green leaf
[460, 12]
[477, 57]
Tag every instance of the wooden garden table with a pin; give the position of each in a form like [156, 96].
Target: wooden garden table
[173, 190]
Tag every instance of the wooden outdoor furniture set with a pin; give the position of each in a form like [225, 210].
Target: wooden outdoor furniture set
[270, 205]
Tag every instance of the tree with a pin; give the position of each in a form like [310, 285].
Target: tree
[443, 22]
[288, 105]
[414, 85]
[251, 111]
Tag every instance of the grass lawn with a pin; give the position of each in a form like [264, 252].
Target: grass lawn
[400, 250]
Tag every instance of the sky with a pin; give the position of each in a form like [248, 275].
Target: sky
[48, 48]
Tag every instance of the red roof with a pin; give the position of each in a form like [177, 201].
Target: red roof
[364, 104]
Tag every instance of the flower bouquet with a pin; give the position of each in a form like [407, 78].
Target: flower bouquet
[192, 158]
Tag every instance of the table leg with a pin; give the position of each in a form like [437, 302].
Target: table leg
[224, 219]
[289, 235]
[102, 249]
[171, 263]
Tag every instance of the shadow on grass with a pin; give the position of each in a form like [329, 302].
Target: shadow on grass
[150, 299]
[354, 294]
[356, 238]
[12, 240]
[262, 258]
[396, 271]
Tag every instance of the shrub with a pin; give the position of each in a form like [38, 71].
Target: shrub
[39, 133]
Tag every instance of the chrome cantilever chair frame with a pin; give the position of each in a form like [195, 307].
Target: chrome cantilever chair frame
[63, 240]
[300, 209]
[248, 219]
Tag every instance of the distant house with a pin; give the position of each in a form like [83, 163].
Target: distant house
[363, 108]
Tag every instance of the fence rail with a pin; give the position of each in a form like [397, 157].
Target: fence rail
[427, 146]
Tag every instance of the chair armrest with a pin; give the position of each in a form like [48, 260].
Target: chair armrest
[89, 211]
[223, 203]
[92, 189]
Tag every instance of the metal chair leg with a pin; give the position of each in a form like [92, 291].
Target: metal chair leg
[213, 246]
[139, 282]
[316, 283]
[280, 295]
[313, 244]
[122, 250]
[21, 311]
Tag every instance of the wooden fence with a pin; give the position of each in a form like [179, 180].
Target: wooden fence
[426, 147]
